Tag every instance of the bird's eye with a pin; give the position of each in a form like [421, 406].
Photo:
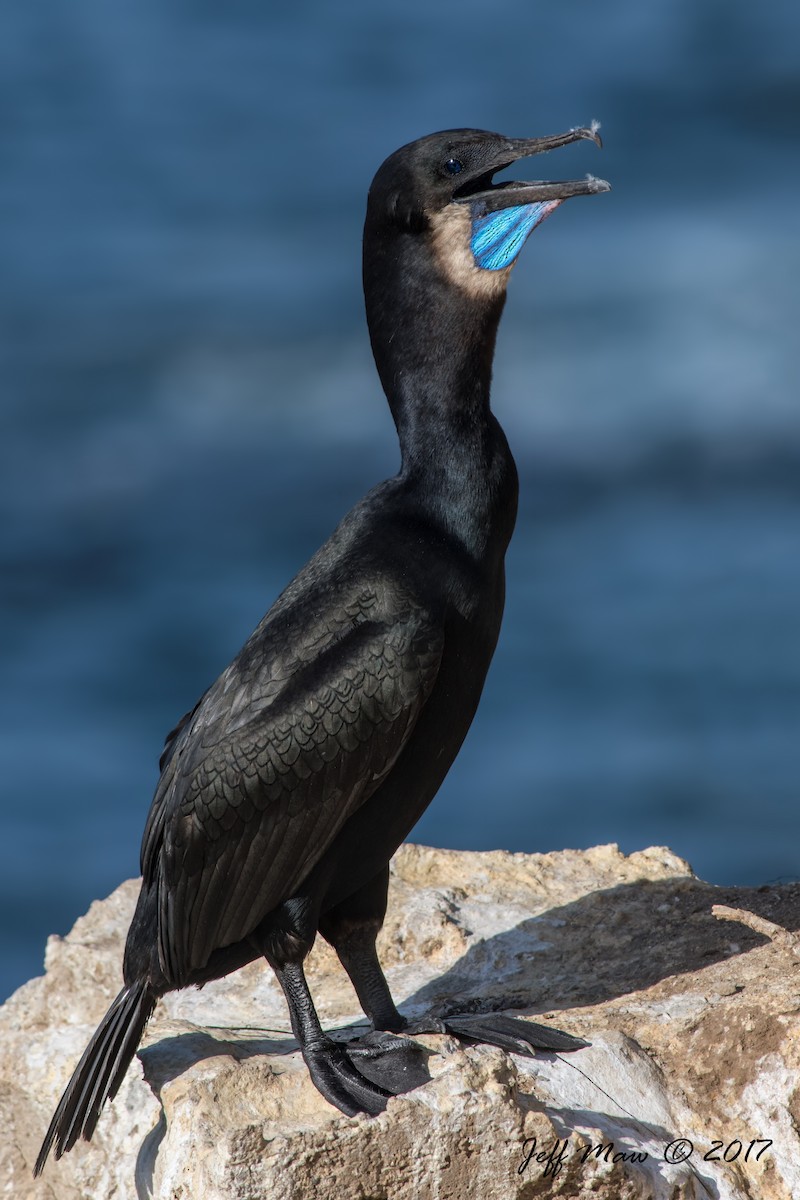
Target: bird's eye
[453, 166]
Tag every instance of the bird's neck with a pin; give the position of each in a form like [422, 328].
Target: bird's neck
[434, 345]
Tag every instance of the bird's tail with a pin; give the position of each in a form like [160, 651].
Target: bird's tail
[100, 1072]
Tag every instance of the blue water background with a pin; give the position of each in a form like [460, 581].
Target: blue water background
[188, 404]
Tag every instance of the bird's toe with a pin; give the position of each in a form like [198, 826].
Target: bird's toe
[496, 1029]
[341, 1083]
[511, 1033]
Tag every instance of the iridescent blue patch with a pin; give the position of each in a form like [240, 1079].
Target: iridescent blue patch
[498, 237]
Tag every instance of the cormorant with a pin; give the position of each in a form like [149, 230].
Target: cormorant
[286, 790]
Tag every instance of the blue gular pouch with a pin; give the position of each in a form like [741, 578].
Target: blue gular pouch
[497, 237]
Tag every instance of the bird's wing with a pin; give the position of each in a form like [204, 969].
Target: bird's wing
[249, 803]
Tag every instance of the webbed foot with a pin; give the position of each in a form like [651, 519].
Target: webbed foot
[362, 1076]
[340, 1082]
[397, 1064]
[496, 1029]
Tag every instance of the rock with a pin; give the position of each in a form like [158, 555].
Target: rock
[692, 1022]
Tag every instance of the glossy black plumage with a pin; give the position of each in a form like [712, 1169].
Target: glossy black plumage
[254, 773]
[286, 790]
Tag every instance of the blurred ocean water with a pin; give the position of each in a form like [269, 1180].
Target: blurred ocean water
[188, 404]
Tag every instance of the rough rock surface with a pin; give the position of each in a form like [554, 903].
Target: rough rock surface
[693, 1024]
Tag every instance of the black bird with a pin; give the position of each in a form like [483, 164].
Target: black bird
[286, 790]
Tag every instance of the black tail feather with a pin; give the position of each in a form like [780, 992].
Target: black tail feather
[99, 1074]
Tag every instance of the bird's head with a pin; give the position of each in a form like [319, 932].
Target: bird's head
[442, 187]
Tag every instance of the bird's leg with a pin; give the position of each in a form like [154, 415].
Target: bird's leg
[395, 1063]
[352, 928]
[285, 939]
[328, 1062]
[358, 955]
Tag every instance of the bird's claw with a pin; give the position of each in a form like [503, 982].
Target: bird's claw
[363, 1076]
[341, 1083]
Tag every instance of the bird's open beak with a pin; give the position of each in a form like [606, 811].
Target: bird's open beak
[483, 195]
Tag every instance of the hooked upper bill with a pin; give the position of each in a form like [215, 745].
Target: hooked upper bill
[503, 215]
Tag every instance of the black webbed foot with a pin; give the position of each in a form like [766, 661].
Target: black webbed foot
[496, 1029]
[362, 1076]
[340, 1082]
[394, 1063]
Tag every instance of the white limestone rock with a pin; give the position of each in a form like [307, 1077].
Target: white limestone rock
[693, 1024]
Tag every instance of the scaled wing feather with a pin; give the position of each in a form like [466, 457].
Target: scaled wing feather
[246, 808]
